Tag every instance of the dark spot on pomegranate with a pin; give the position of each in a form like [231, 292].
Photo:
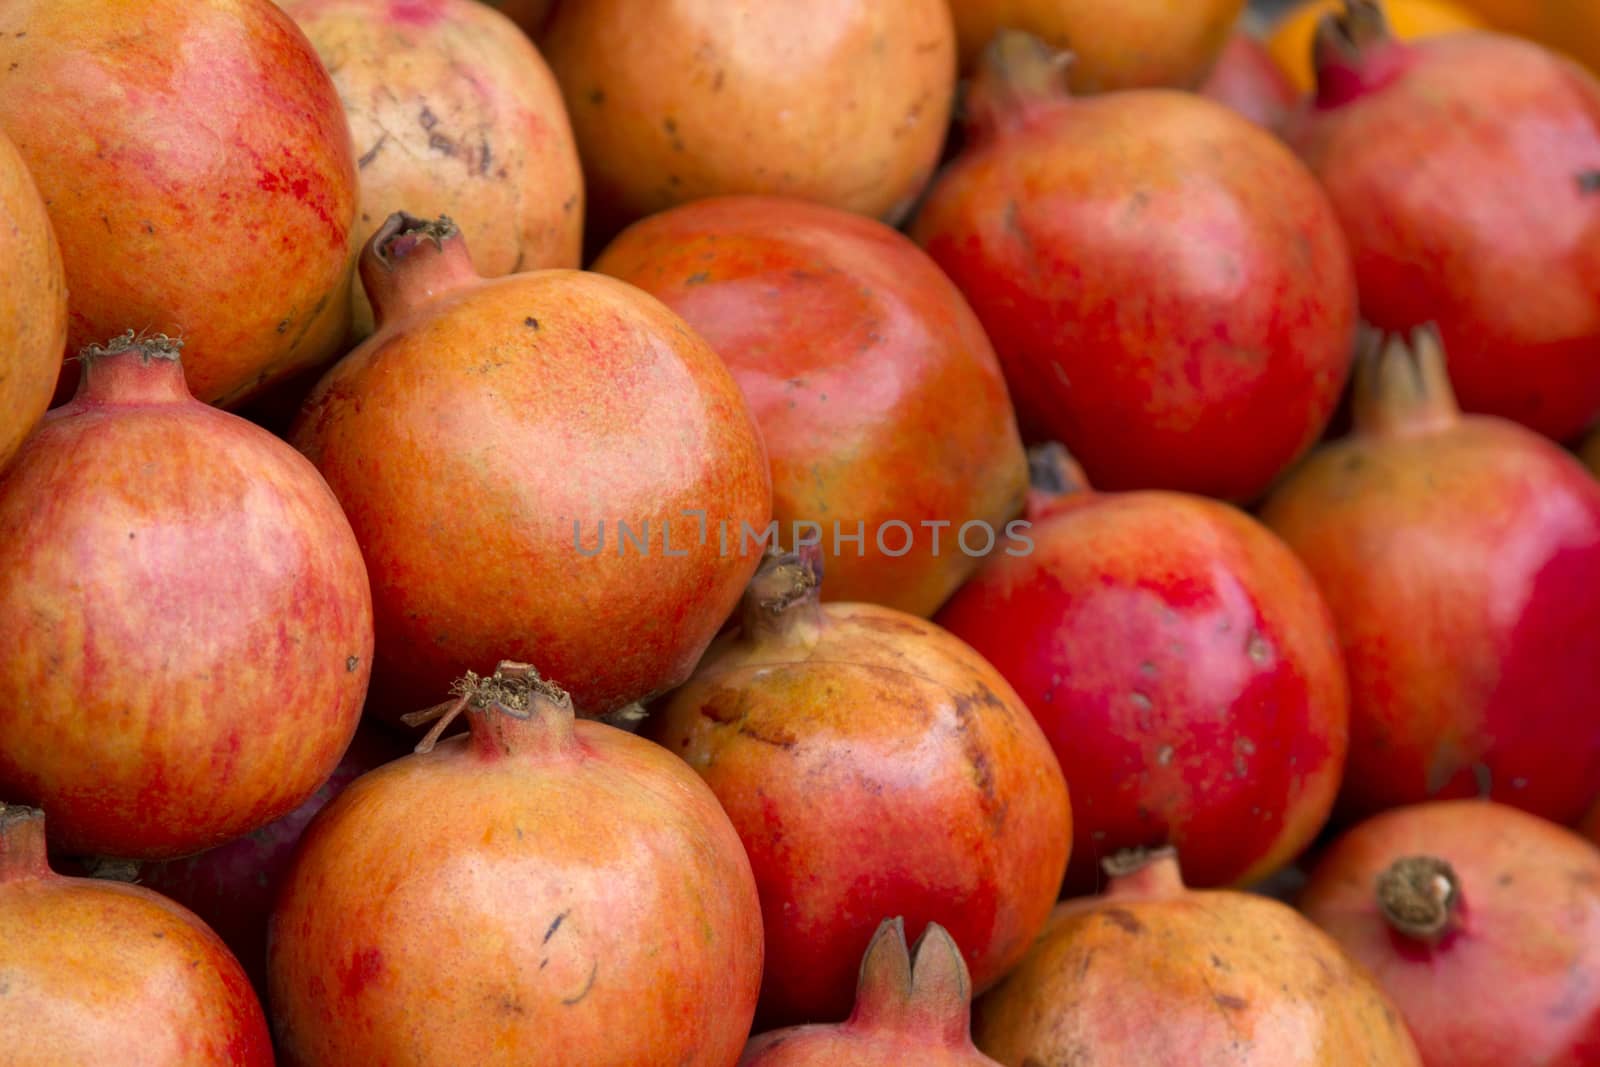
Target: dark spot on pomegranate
[597, 97]
[531, 323]
[351, 663]
[576, 998]
[1589, 182]
[372, 153]
[1230, 1002]
[1124, 919]
[555, 925]
[427, 119]
[699, 277]
[283, 327]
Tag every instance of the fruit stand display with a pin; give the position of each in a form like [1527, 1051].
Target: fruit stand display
[609, 533]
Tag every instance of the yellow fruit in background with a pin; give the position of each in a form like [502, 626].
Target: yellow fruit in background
[1512, 16]
[1291, 38]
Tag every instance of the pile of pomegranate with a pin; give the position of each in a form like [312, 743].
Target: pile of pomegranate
[749, 534]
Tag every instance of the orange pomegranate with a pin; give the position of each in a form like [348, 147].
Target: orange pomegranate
[101, 972]
[844, 102]
[33, 303]
[1116, 44]
[453, 113]
[1293, 35]
[1153, 972]
[199, 174]
[540, 891]
[878, 394]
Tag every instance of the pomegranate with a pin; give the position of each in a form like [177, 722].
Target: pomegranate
[559, 437]
[97, 972]
[537, 876]
[1460, 556]
[33, 303]
[1183, 665]
[208, 186]
[528, 14]
[185, 614]
[943, 801]
[1120, 44]
[1166, 286]
[910, 1008]
[1156, 973]
[1481, 922]
[232, 887]
[1247, 79]
[878, 394]
[1466, 172]
[844, 102]
[1293, 37]
[453, 113]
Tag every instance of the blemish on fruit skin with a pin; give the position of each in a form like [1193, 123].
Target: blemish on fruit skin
[1124, 919]
[413, 12]
[364, 967]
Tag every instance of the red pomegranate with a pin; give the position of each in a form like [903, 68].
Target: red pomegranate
[33, 303]
[1164, 282]
[453, 113]
[1183, 666]
[1247, 79]
[185, 614]
[99, 972]
[559, 437]
[536, 887]
[843, 102]
[1481, 922]
[1461, 559]
[873, 765]
[1153, 973]
[911, 1007]
[1466, 171]
[883, 408]
[232, 887]
[207, 186]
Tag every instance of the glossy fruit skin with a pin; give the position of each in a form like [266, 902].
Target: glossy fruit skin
[99, 972]
[1495, 204]
[878, 394]
[842, 102]
[207, 190]
[453, 112]
[909, 1009]
[1066, 227]
[1527, 927]
[186, 617]
[232, 887]
[1118, 44]
[1247, 79]
[944, 804]
[1153, 973]
[33, 303]
[1292, 36]
[438, 433]
[1186, 671]
[531, 879]
[1460, 556]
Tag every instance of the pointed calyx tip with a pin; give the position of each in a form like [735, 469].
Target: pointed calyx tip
[402, 232]
[512, 688]
[149, 346]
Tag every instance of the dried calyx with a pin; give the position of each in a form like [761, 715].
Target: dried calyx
[1419, 896]
[512, 689]
[148, 346]
[402, 232]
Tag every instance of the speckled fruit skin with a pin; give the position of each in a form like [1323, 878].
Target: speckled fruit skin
[1185, 669]
[185, 614]
[1154, 310]
[844, 102]
[1457, 165]
[1155, 973]
[1118, 44]
[232, 887]
[877, 392]
[1515, 980]
[33, 303]
[453, 112]
[537, 893]
[1247, 79]
[874, 766]
[910, 1008]
[199, 174]
[480, 437]
[1460, 557]
[101, 972]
